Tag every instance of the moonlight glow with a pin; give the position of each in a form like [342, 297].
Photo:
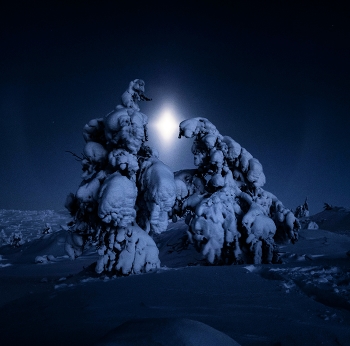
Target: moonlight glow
[167, 126]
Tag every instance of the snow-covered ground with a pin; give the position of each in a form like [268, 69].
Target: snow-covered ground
[47, 299]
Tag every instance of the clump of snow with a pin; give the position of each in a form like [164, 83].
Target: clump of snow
[312, 225]
[93, 131]
[124, 161]
[41, 259]
[134, 252]
[44, 259]
[117, 198]
[74, 245]
[260, 230]
[157, 192]
[251, 268]
[126, 129]
[95, 152]
[133, 94]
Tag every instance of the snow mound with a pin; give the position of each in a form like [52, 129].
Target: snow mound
[336, 219]
[166, 331]
[312, 225]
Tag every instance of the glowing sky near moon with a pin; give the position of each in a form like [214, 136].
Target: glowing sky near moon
[274, 77]
[167, 126]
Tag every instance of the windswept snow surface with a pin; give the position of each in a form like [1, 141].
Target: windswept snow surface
[47, 299]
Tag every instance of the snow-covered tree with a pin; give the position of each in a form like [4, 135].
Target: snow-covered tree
[16, 239]
[126, 192]
[231, 218]
[302, 210]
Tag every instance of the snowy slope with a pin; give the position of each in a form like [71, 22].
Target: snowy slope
[337, 220]
[303, 301]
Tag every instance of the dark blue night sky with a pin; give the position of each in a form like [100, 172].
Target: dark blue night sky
[274, 77]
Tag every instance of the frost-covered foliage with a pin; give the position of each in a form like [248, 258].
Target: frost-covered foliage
[302, 210]
[16, 239]
[231, 218]
[302, 213]
[126, 192]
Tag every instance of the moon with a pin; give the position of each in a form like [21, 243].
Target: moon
[167, 125]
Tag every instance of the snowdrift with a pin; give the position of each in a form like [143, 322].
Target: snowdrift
[304, 300]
